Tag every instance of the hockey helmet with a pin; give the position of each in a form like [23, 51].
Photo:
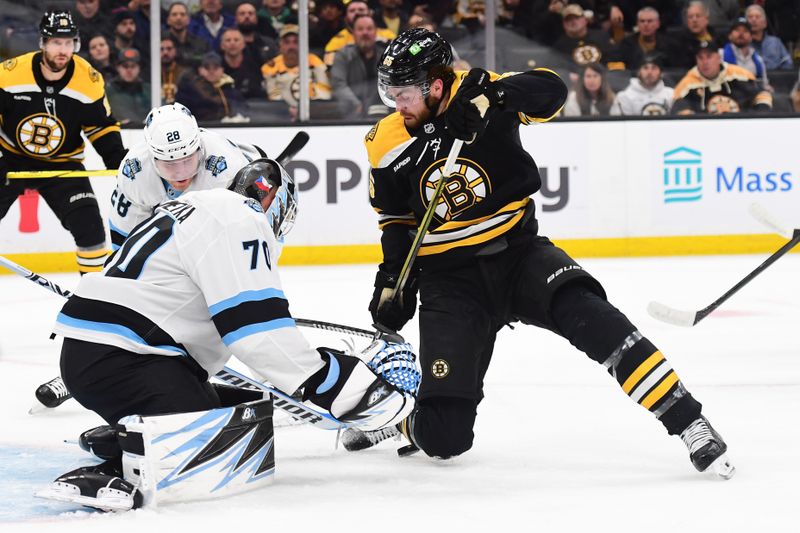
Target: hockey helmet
[173, 137]
[58, 23]
[264, 177]
[408, 59]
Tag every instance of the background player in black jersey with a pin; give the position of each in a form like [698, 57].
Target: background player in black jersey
[47, 99]
[483, 263]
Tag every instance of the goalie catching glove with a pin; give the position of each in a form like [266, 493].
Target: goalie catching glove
[369, 395]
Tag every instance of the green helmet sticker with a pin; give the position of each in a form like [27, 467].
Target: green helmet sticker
[415, 49]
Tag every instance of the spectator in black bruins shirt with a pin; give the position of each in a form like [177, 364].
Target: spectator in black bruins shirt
[47, 99]
[483, 264]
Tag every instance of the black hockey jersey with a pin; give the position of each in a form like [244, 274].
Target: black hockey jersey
[41, 121]
[487, 195]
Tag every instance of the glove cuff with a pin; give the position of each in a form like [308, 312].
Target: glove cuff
[385, 280]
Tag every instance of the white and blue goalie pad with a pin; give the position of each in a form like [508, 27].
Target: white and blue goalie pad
[201, 455]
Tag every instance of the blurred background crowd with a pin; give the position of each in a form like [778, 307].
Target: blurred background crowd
[238, 61]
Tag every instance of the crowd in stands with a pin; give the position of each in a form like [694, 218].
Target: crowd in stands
[235, 61]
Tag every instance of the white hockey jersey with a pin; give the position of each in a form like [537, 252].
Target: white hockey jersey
[199, 280]
[140, 188]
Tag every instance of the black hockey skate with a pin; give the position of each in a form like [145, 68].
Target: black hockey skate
[94, 486]
[51, 394]
[101, 442]
[707, 449]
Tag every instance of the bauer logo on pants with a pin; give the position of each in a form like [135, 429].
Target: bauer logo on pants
[440, 369]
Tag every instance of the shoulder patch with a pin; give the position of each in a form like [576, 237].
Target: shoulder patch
[94, 75]
[216, 165]
[131, 167]
[371, 133]
[9, 64]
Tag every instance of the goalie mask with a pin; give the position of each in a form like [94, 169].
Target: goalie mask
[266, 179]
[58, 23]
[173, 137]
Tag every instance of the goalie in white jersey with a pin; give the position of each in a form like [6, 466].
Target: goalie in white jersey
[190, 286]
[176, 157]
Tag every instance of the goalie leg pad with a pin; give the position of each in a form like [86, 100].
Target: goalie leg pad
[201, 455]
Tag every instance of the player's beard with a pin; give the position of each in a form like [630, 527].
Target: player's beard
[424, 115]
[50, 62]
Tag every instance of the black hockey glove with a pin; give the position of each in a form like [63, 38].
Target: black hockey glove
[393, 313]
[464, 119]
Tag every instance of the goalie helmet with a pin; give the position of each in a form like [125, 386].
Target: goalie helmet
[58, 23]
[173, 137]
[409, 58]
[262, 178]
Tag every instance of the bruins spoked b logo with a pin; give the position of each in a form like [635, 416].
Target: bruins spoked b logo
[440, 369]
[40, 134]
[468, 185]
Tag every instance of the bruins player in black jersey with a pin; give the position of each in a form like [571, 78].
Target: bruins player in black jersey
[483, 263]
[47, 99]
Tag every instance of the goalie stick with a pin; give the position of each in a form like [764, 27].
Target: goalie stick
[679, 317]
[282, 401]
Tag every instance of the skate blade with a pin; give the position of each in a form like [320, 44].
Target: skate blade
[722, 467]
[37, 408]
[107, 504]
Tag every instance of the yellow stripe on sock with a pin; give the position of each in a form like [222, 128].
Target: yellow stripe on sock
[643, 369]
[91, 254]
[660, 391]
[85, 269]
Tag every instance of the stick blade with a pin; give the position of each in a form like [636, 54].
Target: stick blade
[667, 314]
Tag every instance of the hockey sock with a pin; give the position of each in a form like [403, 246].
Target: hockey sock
[600, 330]
[91, 260]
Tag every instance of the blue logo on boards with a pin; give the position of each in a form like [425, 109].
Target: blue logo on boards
[683, 175]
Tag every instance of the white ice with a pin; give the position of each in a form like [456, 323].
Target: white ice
[558, 446]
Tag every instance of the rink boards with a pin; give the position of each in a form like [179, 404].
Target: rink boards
[623, 188]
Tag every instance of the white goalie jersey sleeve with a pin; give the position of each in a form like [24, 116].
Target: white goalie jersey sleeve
[199, 280]
[140, 189]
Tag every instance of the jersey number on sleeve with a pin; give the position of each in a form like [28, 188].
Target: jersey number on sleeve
[129, 260]
[246, 245]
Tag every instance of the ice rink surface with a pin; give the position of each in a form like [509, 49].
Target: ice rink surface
[558, 446]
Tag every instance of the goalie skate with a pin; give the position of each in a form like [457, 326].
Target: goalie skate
[707, 449]
[93, 487]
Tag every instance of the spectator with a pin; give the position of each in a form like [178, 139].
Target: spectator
[544, 23]
[784, 18]
[240, 65]
[89, 19]
[739, 51]
[582, 46]
[210, 95]
[141, 15]
[770, 48]
[128, 95]
[721, 13]
[246, 21]
[329, 21]
[391, 15]
[171, 69]
[646, 94]
[273, 15]
[696, 30]
[713, 87]
[124, 29]
[100, 56]
[592, 95]
[345, 36]
[209, 22]
[190, 47]
[795, 96]
[281, 74]
[647, 41]
[355, 70]
[471, 14]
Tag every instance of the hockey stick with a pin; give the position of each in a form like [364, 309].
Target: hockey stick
[295, 145]
[36, 278]
[482, 103]
[33, 174]
[766, 217]
[679, 317]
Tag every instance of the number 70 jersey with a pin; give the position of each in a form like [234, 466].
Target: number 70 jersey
[197, 280]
